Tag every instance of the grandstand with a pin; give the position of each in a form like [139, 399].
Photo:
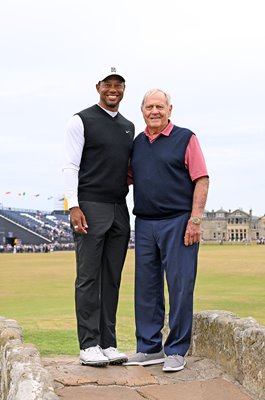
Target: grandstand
[22, 228]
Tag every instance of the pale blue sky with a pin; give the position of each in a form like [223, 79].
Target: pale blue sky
[209, 55]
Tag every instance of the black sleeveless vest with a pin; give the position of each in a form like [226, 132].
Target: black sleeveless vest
[104, 163]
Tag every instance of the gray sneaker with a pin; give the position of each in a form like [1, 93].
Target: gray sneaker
[174, 363]
[146, 359]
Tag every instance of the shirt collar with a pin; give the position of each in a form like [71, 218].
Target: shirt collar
[166, 132]
[111, 113]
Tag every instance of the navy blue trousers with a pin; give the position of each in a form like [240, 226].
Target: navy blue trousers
[160, 252]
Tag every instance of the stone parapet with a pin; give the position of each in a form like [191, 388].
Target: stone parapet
[236, 344]
[23, 376]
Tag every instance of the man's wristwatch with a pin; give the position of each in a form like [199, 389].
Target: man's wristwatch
[195, 220]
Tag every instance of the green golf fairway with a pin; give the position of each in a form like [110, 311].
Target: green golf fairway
[37, 290]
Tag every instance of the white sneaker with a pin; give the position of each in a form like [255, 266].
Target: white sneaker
[93, 356]
[114, 356]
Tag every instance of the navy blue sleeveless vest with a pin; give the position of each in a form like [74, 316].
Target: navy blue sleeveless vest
[162, 185]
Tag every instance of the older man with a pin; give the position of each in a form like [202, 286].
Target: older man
[170, 190]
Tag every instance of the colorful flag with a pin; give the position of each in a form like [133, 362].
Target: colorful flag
[22, 194]
[36, 195]
[7, 192]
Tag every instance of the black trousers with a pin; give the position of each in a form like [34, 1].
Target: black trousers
[100, 256]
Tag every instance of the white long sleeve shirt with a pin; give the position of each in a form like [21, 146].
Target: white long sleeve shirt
[73, 144]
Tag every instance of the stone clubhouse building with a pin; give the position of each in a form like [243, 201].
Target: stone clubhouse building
[232, 226]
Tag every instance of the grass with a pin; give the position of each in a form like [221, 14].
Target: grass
[232, 278]
[38, 291]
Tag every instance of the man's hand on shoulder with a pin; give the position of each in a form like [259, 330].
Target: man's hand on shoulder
[78, 220]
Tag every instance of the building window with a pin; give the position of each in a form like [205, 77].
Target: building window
[220, 215]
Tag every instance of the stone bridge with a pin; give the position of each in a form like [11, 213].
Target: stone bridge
[226, 361]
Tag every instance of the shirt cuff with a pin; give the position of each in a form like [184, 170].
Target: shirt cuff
[72, 202]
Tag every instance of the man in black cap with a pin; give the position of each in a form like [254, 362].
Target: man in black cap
[97, 151]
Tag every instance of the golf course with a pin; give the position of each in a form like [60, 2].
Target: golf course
[37, 290]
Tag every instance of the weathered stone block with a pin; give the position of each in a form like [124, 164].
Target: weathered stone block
[8, 334]
[23, 376]
[237, 344]
[9, 330]
[253, 359]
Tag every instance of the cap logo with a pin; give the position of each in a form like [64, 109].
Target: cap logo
[112, 69]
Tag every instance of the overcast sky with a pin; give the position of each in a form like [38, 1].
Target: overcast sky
[209, 55]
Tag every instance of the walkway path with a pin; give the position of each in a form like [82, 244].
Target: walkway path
[201, 379]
